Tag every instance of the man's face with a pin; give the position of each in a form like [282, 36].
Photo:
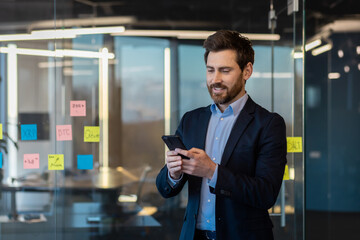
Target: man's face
[225, 80]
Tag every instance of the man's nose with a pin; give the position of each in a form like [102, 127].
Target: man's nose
[217, 77]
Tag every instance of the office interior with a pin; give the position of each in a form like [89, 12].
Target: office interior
[88, 87]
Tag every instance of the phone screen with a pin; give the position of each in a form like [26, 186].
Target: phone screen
[174, 141]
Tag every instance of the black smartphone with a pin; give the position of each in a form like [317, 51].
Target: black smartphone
[174, 141]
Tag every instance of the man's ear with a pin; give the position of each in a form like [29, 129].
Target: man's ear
[248, 70]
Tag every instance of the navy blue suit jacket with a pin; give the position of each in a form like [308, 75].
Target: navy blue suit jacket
[249, 176]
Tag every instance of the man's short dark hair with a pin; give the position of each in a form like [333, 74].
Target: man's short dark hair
[226, 39]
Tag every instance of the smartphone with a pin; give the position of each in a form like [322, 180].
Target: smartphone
[174, 141]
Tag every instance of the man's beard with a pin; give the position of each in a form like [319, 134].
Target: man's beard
[229, 95]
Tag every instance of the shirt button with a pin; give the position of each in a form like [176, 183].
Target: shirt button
[208, 221]
[208, 200]
[214, 159]
[221, 119]
[217, 138]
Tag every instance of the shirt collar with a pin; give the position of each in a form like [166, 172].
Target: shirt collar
[234, 108]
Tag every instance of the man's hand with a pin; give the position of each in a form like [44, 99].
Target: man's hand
[199, 163]
[173, 163]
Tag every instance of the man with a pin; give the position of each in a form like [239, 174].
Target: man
[237, 152]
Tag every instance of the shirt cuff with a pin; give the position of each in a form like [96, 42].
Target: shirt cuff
[173, 182]
[213, 180]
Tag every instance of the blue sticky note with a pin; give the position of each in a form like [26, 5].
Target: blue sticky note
[1, 159]
[85, 161]
[28, 132]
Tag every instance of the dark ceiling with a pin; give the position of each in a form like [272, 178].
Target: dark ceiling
[244, 16]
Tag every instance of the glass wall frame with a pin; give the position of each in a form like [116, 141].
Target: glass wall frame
[126, 83]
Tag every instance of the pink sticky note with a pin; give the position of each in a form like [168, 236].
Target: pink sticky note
[31, 161]
[63, 132]
[77, 108]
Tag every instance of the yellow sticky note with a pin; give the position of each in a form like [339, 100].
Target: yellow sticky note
[294, 144]
[56, 161]
[286, 173]
[91, 134]
[1, 137]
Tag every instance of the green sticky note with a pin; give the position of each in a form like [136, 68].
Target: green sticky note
[56, 161]
[91, 134]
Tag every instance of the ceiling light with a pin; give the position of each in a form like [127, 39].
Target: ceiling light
[190, 34]
[359, 66]
[25, 37]
[358, 50]
[298, 55]
[321, 49]
[80, 31]
[334, 75]
[58, 53]
[312, 44]
[61, 33]
[341, 53]
[346, 69]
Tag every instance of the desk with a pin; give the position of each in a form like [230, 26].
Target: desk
[105, 181]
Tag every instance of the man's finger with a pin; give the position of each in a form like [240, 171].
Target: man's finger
[184, 152]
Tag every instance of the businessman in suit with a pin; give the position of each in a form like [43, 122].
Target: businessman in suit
[237, 152]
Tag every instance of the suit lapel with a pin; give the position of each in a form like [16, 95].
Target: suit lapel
[204, 119]
[243, 120]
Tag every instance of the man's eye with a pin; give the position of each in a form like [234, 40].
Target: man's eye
[210, 70]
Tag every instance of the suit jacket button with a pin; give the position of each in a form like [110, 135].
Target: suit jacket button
[219, 219]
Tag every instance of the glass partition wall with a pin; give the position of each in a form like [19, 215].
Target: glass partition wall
[83, 110]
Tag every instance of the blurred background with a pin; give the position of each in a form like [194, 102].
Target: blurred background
[130, 70]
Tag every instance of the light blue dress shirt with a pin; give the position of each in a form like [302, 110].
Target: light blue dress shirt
[219, 129]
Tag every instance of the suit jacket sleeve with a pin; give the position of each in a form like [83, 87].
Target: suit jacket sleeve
[258, 189]
[162, 181]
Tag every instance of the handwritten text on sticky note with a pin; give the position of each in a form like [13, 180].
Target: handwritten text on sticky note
[31, 161]
[1, 136]
[56, 161]
[85, 161]
[91, 134]
[63, 133]
[28, 132]
[77, 108]
[294, 144]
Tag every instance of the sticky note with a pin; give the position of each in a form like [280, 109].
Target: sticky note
[85, 161]
[31, 161]
[91, 134]
[56, 161]
[28, 132]
[286, 173]
[294, 144]
[1, 136]
[63, 132]
[1, 160]
[77, 108]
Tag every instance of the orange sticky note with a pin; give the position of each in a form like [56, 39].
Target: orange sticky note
[91, 134]
[56, 161]
[31, 161]
[77, 108]
[63, 132]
